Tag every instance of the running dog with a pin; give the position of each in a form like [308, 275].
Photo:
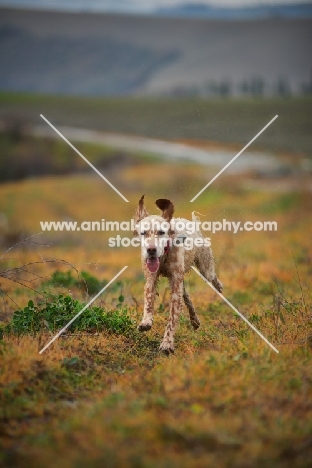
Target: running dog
[164, 253]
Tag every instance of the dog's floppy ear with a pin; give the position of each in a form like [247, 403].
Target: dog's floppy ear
[167, 208]
[141, 212]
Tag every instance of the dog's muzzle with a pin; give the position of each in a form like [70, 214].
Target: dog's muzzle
[152, 261]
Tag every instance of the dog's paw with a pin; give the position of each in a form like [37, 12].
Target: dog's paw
[144, 326]
[217, 284]
[195, 322]
[166, 348]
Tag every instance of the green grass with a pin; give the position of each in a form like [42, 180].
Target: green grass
[282, 203]
[223, 120]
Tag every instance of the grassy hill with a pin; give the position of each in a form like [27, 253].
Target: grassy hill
[93, 54]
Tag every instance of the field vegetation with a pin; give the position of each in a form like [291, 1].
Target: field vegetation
[221, 120]
[102, 395]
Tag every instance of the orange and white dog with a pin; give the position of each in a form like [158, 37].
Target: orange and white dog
[164, 253]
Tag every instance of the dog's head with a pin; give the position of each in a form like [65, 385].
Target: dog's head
[155, 232]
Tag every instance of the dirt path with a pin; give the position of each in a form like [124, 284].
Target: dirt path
[211, 155]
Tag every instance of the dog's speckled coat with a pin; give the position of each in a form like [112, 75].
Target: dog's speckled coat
[173, 264]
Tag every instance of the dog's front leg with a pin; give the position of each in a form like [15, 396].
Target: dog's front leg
[149, 299]
[176, 284]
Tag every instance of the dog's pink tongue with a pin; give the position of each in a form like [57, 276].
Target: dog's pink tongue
[152, 264]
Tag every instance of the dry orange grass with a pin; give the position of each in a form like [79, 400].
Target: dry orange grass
[224, 399]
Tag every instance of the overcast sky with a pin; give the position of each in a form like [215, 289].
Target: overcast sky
[137, 4]
[157, 3]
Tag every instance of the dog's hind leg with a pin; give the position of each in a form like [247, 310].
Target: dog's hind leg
[205, 264]
[217, 284]
[193, 317]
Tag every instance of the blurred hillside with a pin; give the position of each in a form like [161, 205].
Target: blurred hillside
[107, 54]
[261, 10]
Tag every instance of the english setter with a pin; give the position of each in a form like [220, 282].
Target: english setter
[166, 251]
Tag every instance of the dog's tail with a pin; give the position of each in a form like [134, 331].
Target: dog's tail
[196, 219]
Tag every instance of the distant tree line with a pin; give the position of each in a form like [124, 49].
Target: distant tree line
[255, 86]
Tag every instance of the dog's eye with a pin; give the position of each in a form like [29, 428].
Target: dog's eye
[160, 233]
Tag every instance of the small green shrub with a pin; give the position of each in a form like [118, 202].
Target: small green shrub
[63, 278]
[57, 313]
[92, 283]
[67, 280]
